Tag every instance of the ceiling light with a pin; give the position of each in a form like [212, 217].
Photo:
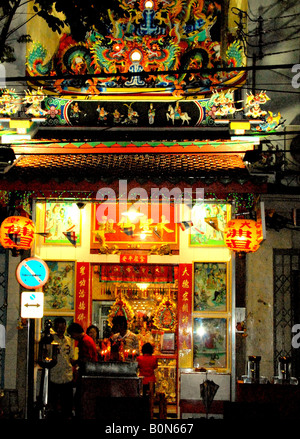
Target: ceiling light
[132, 214]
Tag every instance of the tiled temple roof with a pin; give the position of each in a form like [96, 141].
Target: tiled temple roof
[93, 167]
[90, 170]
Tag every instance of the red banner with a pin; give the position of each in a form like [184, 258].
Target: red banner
[185, 294]
[82, 299]
[137, 273]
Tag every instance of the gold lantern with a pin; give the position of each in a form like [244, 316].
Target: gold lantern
[17, 233]
[243, 235]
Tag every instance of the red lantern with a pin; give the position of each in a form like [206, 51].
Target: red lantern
[17, 233]
[243, 235]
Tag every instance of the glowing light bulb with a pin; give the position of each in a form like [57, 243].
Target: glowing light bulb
[136, 56]
[149, 4]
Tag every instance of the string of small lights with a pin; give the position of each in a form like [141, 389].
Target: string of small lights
[15, 199]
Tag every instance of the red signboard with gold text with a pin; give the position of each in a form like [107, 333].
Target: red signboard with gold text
[82, 301]
[185, 295]
[113, 227]
[133, 259]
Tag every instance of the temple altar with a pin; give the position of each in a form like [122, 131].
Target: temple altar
[112, 390]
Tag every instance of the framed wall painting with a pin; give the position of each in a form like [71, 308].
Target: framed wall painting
[209, 221]
[211, 286]
[62, 224]
[210, 348]
[60, 289]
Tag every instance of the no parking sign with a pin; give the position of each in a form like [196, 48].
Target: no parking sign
[32, 273]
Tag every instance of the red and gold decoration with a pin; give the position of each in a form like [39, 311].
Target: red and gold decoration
[17, 233]
[165, 316]
[137, 273]
[82, 300]
[120, 308]
[243, 235]
[133, 259]
[185, 295]
[115, 229]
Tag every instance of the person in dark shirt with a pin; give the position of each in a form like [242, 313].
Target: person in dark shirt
[87, 352]
[61, 375]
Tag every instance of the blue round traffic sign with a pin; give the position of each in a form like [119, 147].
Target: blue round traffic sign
[32, 273]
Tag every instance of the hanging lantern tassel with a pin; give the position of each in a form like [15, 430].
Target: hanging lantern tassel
[243, 235]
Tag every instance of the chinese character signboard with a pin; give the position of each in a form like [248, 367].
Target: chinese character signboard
[114, 228]
[82, 299]
[185, 294]
[133, 259]
[152, 273]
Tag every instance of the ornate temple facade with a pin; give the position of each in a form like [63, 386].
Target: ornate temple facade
[129, 150]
